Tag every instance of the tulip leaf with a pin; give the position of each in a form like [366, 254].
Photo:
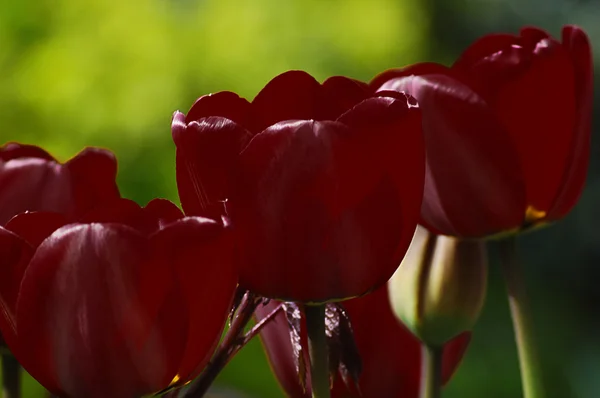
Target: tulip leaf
[294, 317]
[343, 352]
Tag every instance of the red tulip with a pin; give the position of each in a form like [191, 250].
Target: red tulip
[120, 304]
[32, 180]
[323, 183]
[506, 128]
[390, 354]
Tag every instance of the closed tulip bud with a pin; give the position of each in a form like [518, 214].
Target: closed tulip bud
[439, 289]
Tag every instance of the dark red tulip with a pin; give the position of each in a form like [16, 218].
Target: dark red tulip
[390, 354]
[323, 183]
[32, 180]
[121, 304]
[507, 131]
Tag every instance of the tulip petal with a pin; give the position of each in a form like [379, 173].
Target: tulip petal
[102, 291]
[14, 150]
[420, 69]
[93, 177]
[387, 145]
[323, 198]
[285, 179]
[224, 104]
[36, 226]
[207, 153]
[578, 46]
[337, 95]
[34, 184]
[292, 95]
[533, 109]
[483, 48]
[530, 35]
[469, 156]
[202, 262]
[164, 211]
[454, 351]
[125, 212]
[15, 255]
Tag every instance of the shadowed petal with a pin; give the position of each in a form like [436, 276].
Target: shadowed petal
[337, 95]
[102, 291]
[36, 226]
[291, 95]
[207, 154]
[14, 150]
[578, 46]
[224, 104]
[537, 108]
[199, 251]
[34, 184]
[93, 177]
[470, 169]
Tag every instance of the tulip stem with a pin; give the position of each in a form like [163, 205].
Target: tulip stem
[431, 371]
[317, 346]
[11, 376]
[531, 371]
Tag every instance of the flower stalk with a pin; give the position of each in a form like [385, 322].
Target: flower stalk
[531, 371]
[431, 371]
[317, 344]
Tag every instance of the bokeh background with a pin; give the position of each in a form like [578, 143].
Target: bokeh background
[75, 73]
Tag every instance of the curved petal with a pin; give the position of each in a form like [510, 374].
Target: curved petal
[493, 61]
[292, 95]
[383, 168]
[380, 82]
[482, 48]
[34, 184]
[224, 104]
[337, 95]
[578, 46]
[207, 153]
[199, 251]
[286, 178]
[87, 306]
[15, 150]
[93, 178]
[164, 211]
[324, 199]
[474, 186]
[537, 107]
[15, 255]
[530, 35]
[125, 212]
[36, 226]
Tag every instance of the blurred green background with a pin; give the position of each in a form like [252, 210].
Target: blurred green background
[76, 73]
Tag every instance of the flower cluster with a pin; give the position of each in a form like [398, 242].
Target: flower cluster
[306, 197]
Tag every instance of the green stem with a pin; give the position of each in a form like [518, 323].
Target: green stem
[531, 371]
[319, 355]
[431, 371]
[11, 373]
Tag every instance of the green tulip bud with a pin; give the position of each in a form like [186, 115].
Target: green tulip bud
[439, 289]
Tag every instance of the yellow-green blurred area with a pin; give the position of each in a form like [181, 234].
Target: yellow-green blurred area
[77, 73]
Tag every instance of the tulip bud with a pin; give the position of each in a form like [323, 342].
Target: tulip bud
[439, 288]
